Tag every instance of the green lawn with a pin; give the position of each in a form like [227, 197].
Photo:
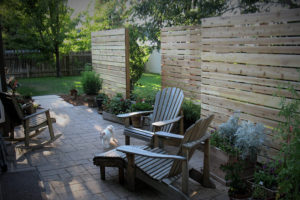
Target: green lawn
[48, 85]
[147, 85]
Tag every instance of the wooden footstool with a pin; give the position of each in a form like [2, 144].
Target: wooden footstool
[112, 158]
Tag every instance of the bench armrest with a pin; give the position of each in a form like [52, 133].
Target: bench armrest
[137, 151]
[125, 115]
[166, 122]
[36, 113]
[196, 143]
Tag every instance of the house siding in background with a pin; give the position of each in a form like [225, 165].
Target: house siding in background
[154, 63]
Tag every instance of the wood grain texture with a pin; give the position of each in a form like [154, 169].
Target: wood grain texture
[181, 64]
[110, 58]
[244, 60]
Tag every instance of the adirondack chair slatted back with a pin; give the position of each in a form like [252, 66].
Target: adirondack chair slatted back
[167, 106]
[11, 106]
[193, 133]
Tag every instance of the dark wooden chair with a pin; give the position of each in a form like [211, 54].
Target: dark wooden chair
[165, 113]
[159, 169]
[33, 122]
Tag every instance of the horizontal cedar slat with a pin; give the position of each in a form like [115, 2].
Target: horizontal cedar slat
[252, 70]
[252, 49]
[261, 59]
[254, 80]
[266, 30]
[255, 98]
[250, 40]
[280, 16]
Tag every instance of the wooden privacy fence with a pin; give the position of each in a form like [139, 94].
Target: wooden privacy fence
[110, 58]
[180, 51]
[25, 65]
[244, 59]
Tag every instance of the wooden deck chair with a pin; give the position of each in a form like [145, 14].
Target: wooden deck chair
[159, 169]
[34, 122]
[165, 113]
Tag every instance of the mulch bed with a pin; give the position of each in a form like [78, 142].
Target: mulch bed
[79, 101]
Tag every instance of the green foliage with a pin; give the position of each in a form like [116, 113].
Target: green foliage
[191, 112]
[155, 16]
[91, 82]
[178, 12]
[102, 96]
[117, 105]
[147, 87]
[233, 175]
[138, 56]
[141, 106]
[88, 67]
[266, 176]
[289, 130]
[37, 25]
[107, 15]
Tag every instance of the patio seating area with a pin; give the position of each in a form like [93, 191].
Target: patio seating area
[66, 166]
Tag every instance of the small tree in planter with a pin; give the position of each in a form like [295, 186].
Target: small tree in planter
[101, 99]
[91, 83]
[242, 142]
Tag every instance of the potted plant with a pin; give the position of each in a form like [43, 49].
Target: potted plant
[100, 98]
[73, 92]
[139, 106]
[91, 84]
[265, 180]
[241, 141]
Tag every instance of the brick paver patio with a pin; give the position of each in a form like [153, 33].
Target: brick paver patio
[66, 167]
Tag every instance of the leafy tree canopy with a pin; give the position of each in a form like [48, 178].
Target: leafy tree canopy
[164, 13]
[37, 25]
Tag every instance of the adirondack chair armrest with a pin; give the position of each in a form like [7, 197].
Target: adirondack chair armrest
[137, 151]
[196, 143]
[36, 113]
[126, 115]
[168, 135]
[166, 122]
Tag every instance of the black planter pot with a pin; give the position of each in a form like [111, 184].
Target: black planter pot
[99, 102]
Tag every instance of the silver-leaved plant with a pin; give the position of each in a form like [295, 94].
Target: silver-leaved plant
[249, 139]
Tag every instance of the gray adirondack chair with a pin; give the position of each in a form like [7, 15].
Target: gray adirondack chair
[159, 169]
[35, 122]
[165, 113]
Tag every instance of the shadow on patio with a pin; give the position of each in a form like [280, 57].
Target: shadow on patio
[66, 168]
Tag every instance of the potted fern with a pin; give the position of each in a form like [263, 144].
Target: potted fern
[241, 142]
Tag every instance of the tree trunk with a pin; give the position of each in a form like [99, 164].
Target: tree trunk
[2, 70]
[58, 74]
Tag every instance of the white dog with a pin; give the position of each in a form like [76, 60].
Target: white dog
[106, 136]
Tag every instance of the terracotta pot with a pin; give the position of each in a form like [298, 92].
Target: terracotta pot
[136, 121]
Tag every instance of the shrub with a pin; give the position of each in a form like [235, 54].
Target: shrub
[141, 106]
[191, 113]
[117, 105]
[289, 131]
[91, 82]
